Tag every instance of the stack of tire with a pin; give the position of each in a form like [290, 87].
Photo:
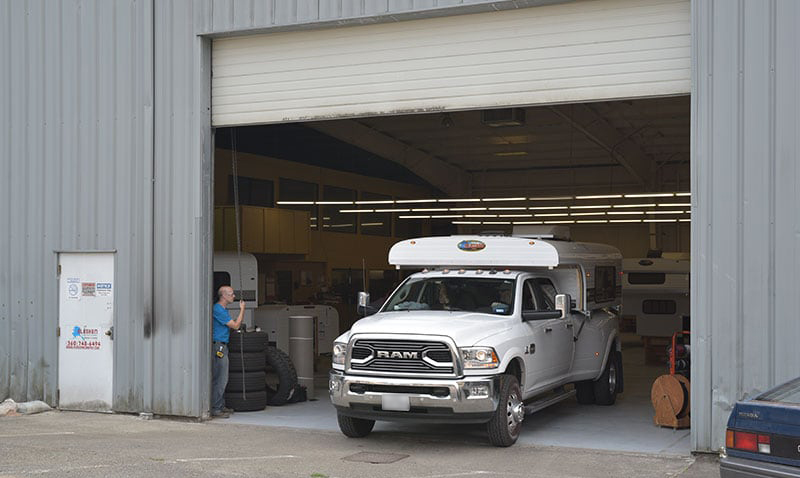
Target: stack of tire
[247, 379]
[258, 374]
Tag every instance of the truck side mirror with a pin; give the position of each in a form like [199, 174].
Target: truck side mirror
[564, 305]
[364, 308]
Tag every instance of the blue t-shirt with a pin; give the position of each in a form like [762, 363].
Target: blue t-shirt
[221, 332]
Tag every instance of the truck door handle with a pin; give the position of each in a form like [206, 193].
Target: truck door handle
[548, 329]
[569, 326]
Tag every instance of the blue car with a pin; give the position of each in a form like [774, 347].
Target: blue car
[763, 435]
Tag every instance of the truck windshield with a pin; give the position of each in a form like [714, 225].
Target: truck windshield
[485, 295]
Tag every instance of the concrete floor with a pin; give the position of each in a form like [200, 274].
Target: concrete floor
[627, 426]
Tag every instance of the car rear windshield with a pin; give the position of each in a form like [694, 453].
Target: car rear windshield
[490, 296]
[789, 392]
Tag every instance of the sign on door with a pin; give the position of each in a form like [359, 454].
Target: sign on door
[86, 319]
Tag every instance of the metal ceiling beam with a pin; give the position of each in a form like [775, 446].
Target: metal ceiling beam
[627, 153]
[450, 179]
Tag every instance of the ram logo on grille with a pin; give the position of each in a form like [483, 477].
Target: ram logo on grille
[397, 355]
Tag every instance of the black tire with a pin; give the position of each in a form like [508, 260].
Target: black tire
[253, 361]
[281, 378]
[254, 401]
[506, 423]
[247, 342]
[605, 387]
[584, 392]
[248, 381]
[354, 427]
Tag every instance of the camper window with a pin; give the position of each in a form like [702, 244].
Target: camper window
[605, 284]
[637, 278]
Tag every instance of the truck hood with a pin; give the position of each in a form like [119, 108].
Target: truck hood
[465, 328]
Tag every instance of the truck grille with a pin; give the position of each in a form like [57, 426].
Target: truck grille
[402, 356]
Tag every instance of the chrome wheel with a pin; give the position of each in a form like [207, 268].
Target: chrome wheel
[612, 376]
[515, 413]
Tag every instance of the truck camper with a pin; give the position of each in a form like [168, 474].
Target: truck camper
[490, 328]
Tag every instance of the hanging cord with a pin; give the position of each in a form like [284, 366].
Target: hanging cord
[234, 163]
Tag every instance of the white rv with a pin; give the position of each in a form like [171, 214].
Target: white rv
[241, 273]
[491, 328]
[656, 291]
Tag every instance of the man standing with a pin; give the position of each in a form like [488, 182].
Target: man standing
[221, 328]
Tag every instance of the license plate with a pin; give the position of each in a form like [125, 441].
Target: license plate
[395, 402]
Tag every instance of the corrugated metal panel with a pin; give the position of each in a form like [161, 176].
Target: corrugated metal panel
[183, 211]
[75, 94]
[746, 224]
[573, 52]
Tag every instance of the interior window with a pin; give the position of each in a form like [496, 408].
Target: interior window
[548, 291]
[528, 299]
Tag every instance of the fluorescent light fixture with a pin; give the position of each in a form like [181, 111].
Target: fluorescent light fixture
[393, 210]
[603, 221]
[375, 202]
[414, 217]
[625, 220]
[371, 224]
[684, 220]
[511, 153]
[650, 195]
[600, 196]
[497, 222]
[546, 208]
[447, 216]
[556, 214]
[527, 222]
[634, 205]
[460, 200]
[660, 220]
[408, 201]
[625, 212]
[553, 198]
[664, 212]
[675, 204]
[326, 218]
[466, 222]
[480, 215]
[333, 203]
[515, 215]
[559, 222]
[602, 206]
[587, 214]
[433, 209]
[355, 210]
[502, 199]
[296, 203]
[683, 194]
[467, 209]
[509, 208]
[341, 225]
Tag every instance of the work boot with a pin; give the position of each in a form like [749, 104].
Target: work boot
[219, 414]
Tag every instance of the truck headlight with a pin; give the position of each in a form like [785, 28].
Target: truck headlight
[339, 352]
[479, 357]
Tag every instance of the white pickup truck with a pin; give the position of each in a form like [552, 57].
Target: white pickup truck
[492, 328]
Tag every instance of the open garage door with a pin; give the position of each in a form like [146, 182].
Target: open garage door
[572, 52]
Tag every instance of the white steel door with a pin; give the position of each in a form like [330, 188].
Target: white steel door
[86, 319]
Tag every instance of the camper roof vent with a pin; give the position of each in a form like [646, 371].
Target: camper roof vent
[542, 232]
[503, 117]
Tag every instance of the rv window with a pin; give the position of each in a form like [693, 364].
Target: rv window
[646, 277]
[664, 307]
[221, 278]
[605, 284]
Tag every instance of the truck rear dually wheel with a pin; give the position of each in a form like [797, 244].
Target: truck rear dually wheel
[505, 425]
[605, 387]
[355, 427]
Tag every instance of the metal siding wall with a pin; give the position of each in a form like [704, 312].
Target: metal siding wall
[746, 225]
[73, 95]
[183, 219]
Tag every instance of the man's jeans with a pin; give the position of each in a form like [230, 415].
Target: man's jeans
[219, 376]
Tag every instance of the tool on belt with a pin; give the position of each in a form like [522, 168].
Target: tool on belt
[219, 351]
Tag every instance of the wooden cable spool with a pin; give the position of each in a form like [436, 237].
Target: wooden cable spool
[670, 396]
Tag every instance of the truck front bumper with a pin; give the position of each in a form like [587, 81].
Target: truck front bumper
[465, 400]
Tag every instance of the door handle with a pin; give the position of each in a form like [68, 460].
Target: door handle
[110, 332]
[569, 326]
[548, 329]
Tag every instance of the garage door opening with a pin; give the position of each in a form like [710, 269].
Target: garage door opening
[322, 202]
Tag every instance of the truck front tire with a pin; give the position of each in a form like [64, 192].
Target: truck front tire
[354, 427]
[505, 425]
